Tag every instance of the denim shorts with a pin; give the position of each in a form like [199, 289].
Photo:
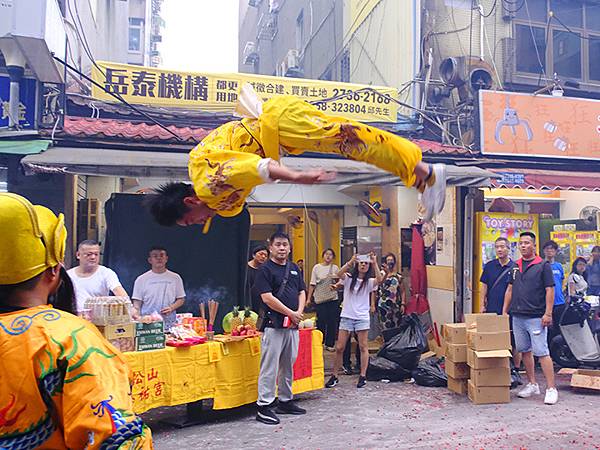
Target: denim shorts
[530, 335]
[351, 325]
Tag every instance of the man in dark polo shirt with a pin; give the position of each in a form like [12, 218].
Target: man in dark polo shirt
[530, 299]
[495, 278]
[282, 290]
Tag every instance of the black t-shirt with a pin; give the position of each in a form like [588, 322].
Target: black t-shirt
[269, 278]
[252, 297]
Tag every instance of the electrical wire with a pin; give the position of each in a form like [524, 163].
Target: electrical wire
[118, 97]
[513, 11]
[566, 27]
[537, 51]
[491, 10]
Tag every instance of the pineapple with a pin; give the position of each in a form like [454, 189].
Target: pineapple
[236, 320]
[248, 320]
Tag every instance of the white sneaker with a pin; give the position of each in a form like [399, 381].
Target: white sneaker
[529, 390]
[434, 197]
[551, 396]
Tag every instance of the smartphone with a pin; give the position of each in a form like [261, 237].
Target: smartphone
[363, 258]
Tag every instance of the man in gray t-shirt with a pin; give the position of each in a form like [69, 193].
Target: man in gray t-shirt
[158, 290]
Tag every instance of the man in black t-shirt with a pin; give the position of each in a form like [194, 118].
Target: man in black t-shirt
[260, 254]
[283, 293]
[529, 300]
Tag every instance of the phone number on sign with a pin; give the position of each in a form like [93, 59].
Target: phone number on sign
[352, 108]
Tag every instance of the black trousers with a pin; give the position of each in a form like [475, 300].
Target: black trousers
[328, 315]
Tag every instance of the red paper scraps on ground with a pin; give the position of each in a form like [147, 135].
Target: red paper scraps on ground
[303, 364]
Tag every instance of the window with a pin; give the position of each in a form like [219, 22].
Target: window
[300, 31]
[595, 59]
[572, 53]
[531, 49]
[135, 34]
[567, 54]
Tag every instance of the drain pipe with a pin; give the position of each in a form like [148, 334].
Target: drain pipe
[15, 66]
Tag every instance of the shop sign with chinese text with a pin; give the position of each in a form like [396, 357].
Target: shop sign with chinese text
[219, 92]
[539, 125]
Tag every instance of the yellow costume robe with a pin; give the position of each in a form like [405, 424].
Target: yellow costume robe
[62, 385]
[226, 165]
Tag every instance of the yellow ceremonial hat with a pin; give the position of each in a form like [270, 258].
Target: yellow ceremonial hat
[32, 239]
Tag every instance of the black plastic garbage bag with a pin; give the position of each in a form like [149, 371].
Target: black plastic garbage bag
[384, 369]
[429, 373]
[406, 347]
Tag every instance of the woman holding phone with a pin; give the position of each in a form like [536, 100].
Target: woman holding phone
[359, 277]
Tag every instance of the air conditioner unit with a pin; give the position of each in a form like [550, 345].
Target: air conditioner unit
[250, 53]
[290, 66]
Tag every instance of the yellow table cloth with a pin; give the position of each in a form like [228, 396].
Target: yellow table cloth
[227, 373]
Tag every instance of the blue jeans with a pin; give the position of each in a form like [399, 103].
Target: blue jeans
[530, 335]
[351, 325]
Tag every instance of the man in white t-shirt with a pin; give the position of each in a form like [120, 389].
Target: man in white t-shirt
[158, 290]
[90, 278]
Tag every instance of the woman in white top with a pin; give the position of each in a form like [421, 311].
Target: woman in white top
[322, 292]
[577, 285]
[358, 285]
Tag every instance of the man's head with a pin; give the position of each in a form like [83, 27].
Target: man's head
[177, 204]
[279, 246]
[158, 258]
[300, 264]
[596, 253]
[527, 244]
[88, 254]
[30, 260]
[550, 248]
[260, 253]
[502, 247]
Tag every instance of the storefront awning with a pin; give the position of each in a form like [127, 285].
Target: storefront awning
[546, 180]
[138, 164]
[26, 147]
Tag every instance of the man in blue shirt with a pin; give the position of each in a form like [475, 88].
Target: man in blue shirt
[550, 248]
[495, 278]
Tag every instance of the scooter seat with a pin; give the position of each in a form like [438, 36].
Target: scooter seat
[595, 326]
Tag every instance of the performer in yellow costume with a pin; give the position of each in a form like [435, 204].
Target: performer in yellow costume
[62, 385]
[238, 156]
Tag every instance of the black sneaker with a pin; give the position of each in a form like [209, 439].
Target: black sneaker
[333, 381]
[266, 415]
[289, 408]
[347, 370]
[362, 381]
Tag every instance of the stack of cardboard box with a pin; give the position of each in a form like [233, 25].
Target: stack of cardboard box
[488, 341]
[149, 336]
[455, 338]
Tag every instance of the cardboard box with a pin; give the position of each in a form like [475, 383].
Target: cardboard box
[458, 371]
[111, 332]
[458, 386]
[488, 322]
[455, 333]
[488, 395]
[491, 377]
[482, 341]
[125, 344]
[587, 379]
[492, 359]
[150, 342]
[456, 352]
[146, 329]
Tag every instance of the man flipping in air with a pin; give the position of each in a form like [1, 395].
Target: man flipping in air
[240, 155]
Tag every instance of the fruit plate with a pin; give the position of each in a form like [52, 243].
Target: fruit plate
[229, 338]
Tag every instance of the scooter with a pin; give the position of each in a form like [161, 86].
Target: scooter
[578, 344]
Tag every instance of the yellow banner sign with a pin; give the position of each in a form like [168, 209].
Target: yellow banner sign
[219, 92]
